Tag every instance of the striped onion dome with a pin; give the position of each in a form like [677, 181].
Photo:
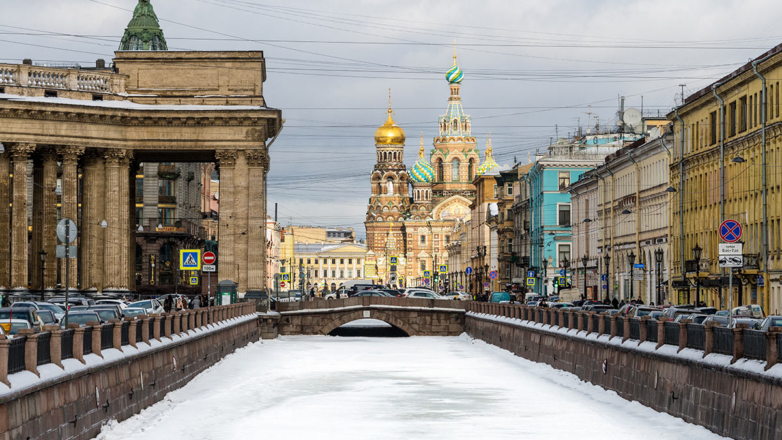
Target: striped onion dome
[422, 171]
[454, 75]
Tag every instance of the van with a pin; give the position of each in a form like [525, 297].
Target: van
[497, 297]
[752, 310]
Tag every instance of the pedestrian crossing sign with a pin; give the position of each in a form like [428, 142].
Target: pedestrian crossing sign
[443, 268]
[190, 259]
[530, 281]
[193, 281]
[393, 260]
[285, 276]
[427, 274]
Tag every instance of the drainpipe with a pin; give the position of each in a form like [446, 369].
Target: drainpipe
[722, 175]
[764, 234]
[610, 272]
[681, 197]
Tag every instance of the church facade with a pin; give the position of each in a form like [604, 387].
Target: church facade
[411, 214]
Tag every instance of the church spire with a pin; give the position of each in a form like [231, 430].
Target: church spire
[143, 31]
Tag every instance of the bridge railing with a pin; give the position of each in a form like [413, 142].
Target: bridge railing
[367, 301]
[738, 342]
[30, 349]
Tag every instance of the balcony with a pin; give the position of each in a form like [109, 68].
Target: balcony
[25, 75]
[168, 171]
[167, 199]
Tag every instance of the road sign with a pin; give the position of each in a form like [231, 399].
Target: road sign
[493, 274]
[562, 272]
[731, 231]
[486, 284]
[393, 260]
[603, 277]
[605, 286]
[426, 281]
[731, 261]
[761, 281]
[443, 268]
[427, 274]
[61, 251]
[61, 226]
[210, 268]
[563, 281]
[190, 259]
[731, 255]
[638, 275]
[530, 274]
[282, 284]
[209, 258]
[285, 276]
[193, 281]
[638, 266]
[468, 271]
[731, 248]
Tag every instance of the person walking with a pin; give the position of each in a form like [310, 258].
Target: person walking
[615, 303]
[179, 303]
[168, 304]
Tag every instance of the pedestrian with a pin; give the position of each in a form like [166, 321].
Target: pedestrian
[196, 303]
[621, 303]
[179, 303]
[167, 304]
[639, 301]
[615, 303]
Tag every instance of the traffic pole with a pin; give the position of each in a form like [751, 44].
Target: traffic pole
[67, 271]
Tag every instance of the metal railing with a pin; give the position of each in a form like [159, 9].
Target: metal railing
[671, 332]
[44, 352]
[651, 330]
[566, 320]
[66, 344]
[87, 341]
[635, 329]
[754, 344]
[723, 340]
[16, 354]
[125, 333]
[607, 324]
[107, 336]
[620, 327]
[139, 330]
[151, 329]
[696, 336]
[555, 318]
[595, 322]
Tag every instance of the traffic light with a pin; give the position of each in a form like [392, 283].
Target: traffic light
[436, 277]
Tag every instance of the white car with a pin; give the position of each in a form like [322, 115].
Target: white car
[411, 290]
[150, 305]
[333, 295]
[113, 302]
[458, 296]
[426, 294]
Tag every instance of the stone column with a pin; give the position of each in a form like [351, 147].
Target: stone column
[257, 167]
[36, 243]
[93, 213]
[114, 233]
[241, 220]
[97, 330]
[70, 204]
[708, 339]
[30, 350]
[132, 331]
[5, 222]
[78, 342]
[132, 221]
[49, 223]
[227, 228]
[19, 250]
[116, 337]
[55, 343]
[4, 349]
[145, 336]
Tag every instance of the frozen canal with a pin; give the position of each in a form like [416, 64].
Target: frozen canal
[321, 387]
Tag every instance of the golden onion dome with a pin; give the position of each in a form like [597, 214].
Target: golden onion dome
[389, 133]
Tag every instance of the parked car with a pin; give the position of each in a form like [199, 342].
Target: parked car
[150, 305]
[58, 311]
[656, 315]
[424, 294]
[12, 326]
[721, 320]
[47, 317]
[458, 296]
[706, 310]
[392, 292]
[754, 323]
[410, 290]
[672, 312]
[73, 300]
[639, 311]
[572, 309]
[379, 293]
[28, 314]
[105, 312]
[82, 318]
[118, 302]
[698, 318]
[132, 312]
[350, 289]
[771, 321]
[498, 297]
[723, 313]
[560, 305]
[597, 307]
[340, 294]
[752, 310]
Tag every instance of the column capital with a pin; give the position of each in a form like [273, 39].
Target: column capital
[257, 158]
[21, 151]
[227, 157]
[92, 156]
[48, 153]
[70, 153]
[114, 156]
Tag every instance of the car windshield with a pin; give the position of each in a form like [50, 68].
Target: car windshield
[16, 326]
[106, 314]
[52, 308]
[47, 318]
[644, 312]
[142, 304]
[82, 318]
[134, 312]
[775, 322]
[18, 314]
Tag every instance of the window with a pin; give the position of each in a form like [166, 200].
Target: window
[166, 216]
[301, 261]
[165, 187]
[732, 118]
[713, 128]
[564, 180]
[333, 274]
[755, 108]
[751, 106]
[358, 273]
[455, 165]
[309, 261]
[423, 266]
[139, 187]
[350, 273]
[564, 252]
[139, 214]
[743, 115]
[316, 273]
[350, 261]
[508, 189]
[342, 273]
[510, 245]
[495, 191]
[423, 239]
[341, 261]
[447, 239]
[564, 215]
[469, 170]
[440, 172]
[316, 261]
[333, 261]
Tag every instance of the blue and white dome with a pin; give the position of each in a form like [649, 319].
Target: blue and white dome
[422, 171]
[454, 75]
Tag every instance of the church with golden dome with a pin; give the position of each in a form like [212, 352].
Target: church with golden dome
[410, 214]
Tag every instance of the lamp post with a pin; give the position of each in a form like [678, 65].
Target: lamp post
[485, 271]
[631, 262]
[584, 261]
[543, 276]
[658, 257]
[42, 254]
[696, 253]
[607, 260]
[565, 265]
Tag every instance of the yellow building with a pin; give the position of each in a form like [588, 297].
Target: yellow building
[328, 265]
[727, 135]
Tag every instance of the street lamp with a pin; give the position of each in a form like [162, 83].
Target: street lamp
[658, 257]
[565, 265]
[631, 262]
[584, 261]
[545, 274]
[42, 254]
[696, 252]
[607, 259]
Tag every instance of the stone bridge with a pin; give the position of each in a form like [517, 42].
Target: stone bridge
[414, 316]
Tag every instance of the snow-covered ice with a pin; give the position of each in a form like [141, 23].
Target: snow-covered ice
[308, 387]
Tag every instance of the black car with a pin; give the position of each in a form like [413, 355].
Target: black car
[392, 292]
[82, 318]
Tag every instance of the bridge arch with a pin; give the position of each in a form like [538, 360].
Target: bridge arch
[353, 315]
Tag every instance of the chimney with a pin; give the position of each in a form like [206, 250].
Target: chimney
[100, 64]
[27, 61]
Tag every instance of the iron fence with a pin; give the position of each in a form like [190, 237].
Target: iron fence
[107, 336]
[125, 333]
[163, 323]
[651, 330]
[555, 317]
[87, 341]
[696, 336]
[620, 327]
[607, 324]
[152, 328]
[595, 322]
[44, 348]
[635, 329]
[16, 354]
[139, 329]
[754, 344]
[566, 320]
[779, 347]
[540, 315]
[723, 341]
[66, 344]
[671, 330]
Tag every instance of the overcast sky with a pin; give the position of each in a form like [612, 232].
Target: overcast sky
[531, 68]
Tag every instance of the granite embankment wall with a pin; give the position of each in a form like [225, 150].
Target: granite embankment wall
[738, 398]
[117, 375]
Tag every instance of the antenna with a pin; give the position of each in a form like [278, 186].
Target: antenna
[589, 119]
[682, 86]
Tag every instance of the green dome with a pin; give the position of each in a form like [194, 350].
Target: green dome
[143, 31]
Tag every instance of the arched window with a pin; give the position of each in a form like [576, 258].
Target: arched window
[440, 174]
[470, 170]
[455, 125]
[455, 165]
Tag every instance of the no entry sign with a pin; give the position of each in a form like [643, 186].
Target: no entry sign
[209, 258]
[731, 231]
